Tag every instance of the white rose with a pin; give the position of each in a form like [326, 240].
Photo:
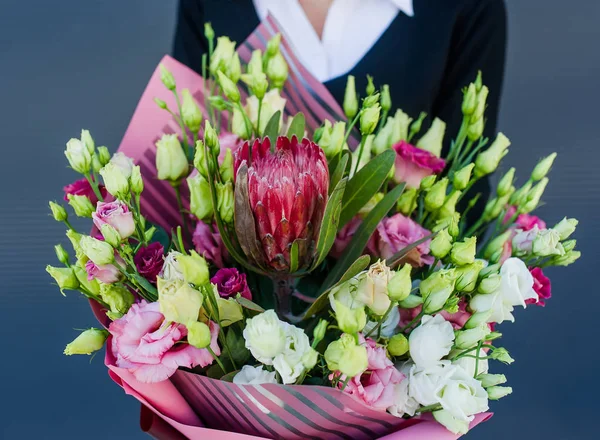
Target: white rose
[430, 341]
[254, 376]
[123, 162]
[290, 363]
[516, 287]
[171, 270]
[522, 242]
[468, 364]
[461, 395]
[265, 336]
[388, 327]
[424, 382]
[403, 402]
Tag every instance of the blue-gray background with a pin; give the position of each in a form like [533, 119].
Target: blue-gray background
[69, 64]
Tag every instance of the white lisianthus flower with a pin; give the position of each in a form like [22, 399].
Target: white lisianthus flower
[389, 325]
[78, 156]
[468, 364]
[423, 383]
[516, 287]
[265, 336]
[171, 269]
[250, 375]
[403, 402]
[547, 243]
[430, 341]
[271, 103]
[296, 356]
[123, 162]
[461, 395]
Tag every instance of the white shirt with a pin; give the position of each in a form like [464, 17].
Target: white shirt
[351, 28]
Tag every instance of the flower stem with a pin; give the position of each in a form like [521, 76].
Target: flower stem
[350, 127]
[94, 186]
[210, 350]
[360, 152]
[283, 289]
[411, 323]
[181, 210]
[383, 318]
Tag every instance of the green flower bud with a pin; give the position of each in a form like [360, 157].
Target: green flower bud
[100, 252]
[238, 124]
[116, 182]
[75, 238]
[475, 130]
[400, 128]
[386, 99]
[209, 33]
[519, 196]
[463, 253]
[436, 195]
[277, 70]
[96, 165]
[194, 268]
[61, 254]
[350, 98]
[478, 82]
[136, 182]
[543, 167]
[497, 244]
[211, 138]
[345, 356]
[496, 393]
[490, 380]
[371, 100]
[535, 194]
[469, 100]
[64, 276]
[234, 69]
[78, 156]
[369, 118]
[221, 55]
[162, 104]
[567, 259]
[167, 78]
[432, 141]
[88, 141]
[58, 212]
[400, 284]
[198, 334]
[482, 96]
[436, 290]
[368, 207]
[569, 245]
[171, 161]
[451, 223]
[370, 86]
[190, 112]
[103, 155]
[547, 243]
[566, 227]
[488, 161]
[226, 201]
[87, 342]
[470, 337]
[229, 88]
[478, 319]
[462, 177]
[489, 284]
[501, 354]
[319, 331]
[257, 82]
[336, 139]
[398, 345]
[408, 201]
[448, 209]
[227, 166]
[383, 138]
[81, 205]
[415, 127]
[273, 45]
[505, 184]
[467, 276]
[441, 244]
[93, 287]
[200, 159]
[117, 297]
[428, 182]
[111, 235]
[201, 204]
[256, 63]
[349, 320]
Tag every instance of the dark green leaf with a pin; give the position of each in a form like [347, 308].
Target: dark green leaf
[272, 128]
[365, 184]
[395, 259]
[338, 171]
[297, 126]
[362, 235]
[294, 256]
[237, 346]
[145, 284]
[247, 304]
[229, 376]
[329, 225]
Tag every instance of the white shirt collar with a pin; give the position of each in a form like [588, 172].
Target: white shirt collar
[405, 6]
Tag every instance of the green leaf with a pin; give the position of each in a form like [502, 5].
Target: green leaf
[362, 235]
[329, 225]
[229, 376]
[395, 259]
[294, 256]
[338, 171]
[297, 126]
[247, 304]
[272, 128]
[357, 267]
[365, 184]
[145, 284]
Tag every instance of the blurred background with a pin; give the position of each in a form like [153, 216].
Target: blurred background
[67, 65]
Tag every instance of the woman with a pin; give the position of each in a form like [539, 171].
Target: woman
[426, 50]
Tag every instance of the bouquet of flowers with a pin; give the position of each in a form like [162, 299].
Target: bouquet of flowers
[264, 263]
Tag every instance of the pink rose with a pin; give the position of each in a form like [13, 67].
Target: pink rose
[209, 244]
[395, 233]
[344, 236]
[375, 387]
[414, 164]
[526, 222]
[149, 261]
[152, 349]
[107, 273]
[541, 285]
[458, 319]
[82, 187]
[230, 282]
[115, 214]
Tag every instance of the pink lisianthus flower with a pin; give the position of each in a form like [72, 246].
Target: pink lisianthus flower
[152, 349]
[209, 244]
[414, 164]
[541, 285]
[230, 282]
[458, 319]
[375, 387]
[106, 273]
[344, 236]
[394, 234]
[115, 214]
[526, 222]
[82, 187]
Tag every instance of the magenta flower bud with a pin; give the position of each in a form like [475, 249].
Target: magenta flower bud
[149, 261]
[230, 282]
[82, 187]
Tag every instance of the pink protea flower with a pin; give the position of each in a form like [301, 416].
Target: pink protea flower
[152, 349]
[281, 196]
[414, 164]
